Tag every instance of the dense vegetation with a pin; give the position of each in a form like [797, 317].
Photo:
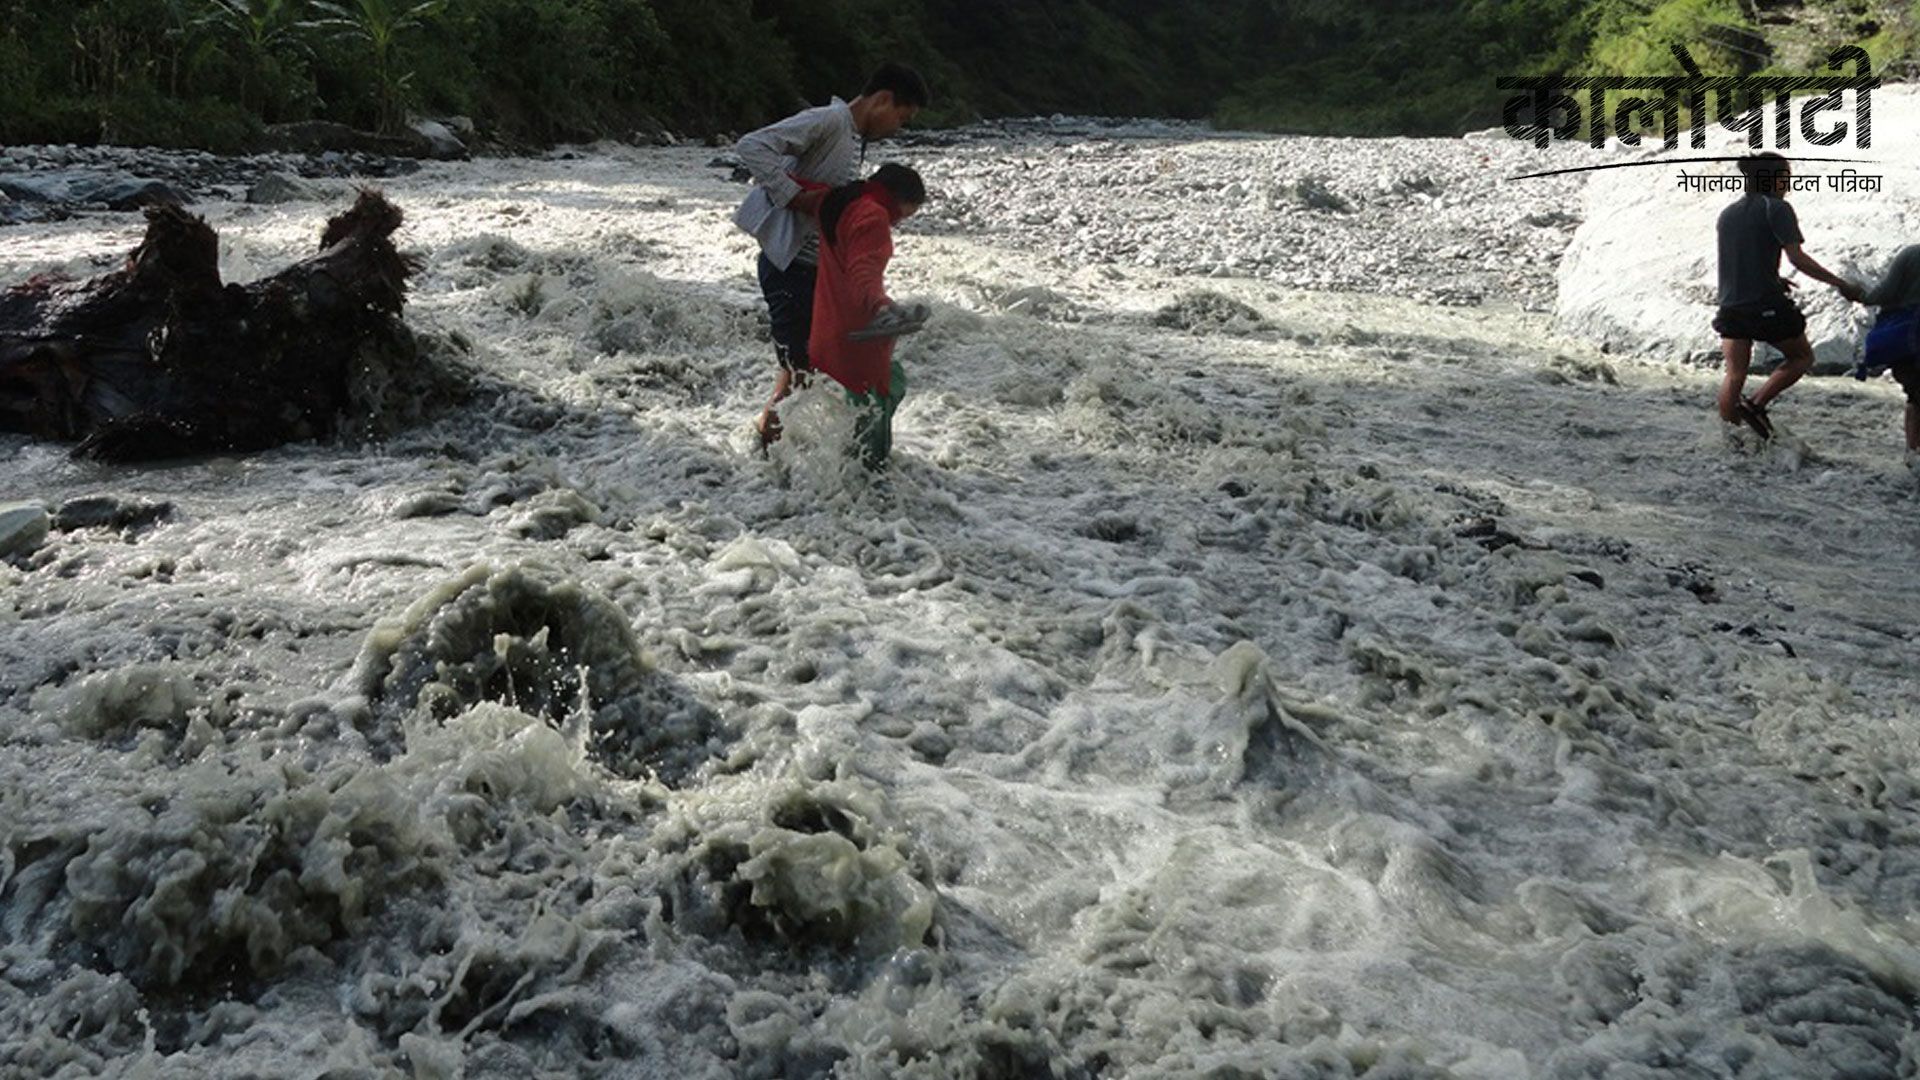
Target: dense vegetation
[211, 72]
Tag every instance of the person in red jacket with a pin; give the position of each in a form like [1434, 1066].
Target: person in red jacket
[854, 323]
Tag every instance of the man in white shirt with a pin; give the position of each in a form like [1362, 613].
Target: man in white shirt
[794, 164]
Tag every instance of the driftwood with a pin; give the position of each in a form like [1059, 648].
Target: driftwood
[159, 359]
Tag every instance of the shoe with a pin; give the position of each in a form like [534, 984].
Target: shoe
[1756, 418]
[894, 320]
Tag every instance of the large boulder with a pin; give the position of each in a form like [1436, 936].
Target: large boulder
[129, 193]
[23, 527]
[280, 187]
[442, 144]
[1640, 274]
[115, 191]
[32, 189]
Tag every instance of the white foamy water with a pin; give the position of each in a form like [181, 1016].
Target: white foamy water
[1227, 681]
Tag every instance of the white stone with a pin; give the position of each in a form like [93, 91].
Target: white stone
[23, 527]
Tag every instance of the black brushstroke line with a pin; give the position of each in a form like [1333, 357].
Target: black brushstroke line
[1681, 161]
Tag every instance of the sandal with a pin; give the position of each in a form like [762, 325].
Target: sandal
[894, 320]
[1755, 416]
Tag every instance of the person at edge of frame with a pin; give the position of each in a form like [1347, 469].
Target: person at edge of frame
[1894, 341]
[1754, 305]
[793, 163]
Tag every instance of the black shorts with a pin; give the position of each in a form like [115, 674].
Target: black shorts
[789, 295]
[1772, 322]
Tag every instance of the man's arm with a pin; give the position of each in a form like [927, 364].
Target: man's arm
[1797, 255]
[764, 154]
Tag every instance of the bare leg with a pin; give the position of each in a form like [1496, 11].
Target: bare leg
[1908, 376]
[1736, 354]
[1799, 361]
[769, 422]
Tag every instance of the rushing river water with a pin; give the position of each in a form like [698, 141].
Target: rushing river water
[1227, 681]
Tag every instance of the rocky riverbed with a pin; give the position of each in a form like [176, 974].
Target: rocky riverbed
[54, 183]
[1275, 652]
[1432, 219]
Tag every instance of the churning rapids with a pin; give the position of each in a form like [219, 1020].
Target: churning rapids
[1263, 661]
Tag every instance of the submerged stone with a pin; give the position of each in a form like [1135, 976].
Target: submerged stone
[23, 528]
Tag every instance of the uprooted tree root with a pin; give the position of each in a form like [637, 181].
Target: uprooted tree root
[160, 359]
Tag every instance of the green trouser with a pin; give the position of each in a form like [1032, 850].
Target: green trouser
[873, 427]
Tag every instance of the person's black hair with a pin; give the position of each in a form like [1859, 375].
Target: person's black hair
[1761, 169]
[906, 85]
[905, 184]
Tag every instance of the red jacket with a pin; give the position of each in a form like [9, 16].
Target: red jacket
[849, 292]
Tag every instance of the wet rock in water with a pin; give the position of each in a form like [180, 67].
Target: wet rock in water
[807, 867]
[33, 189]
[132, 194]
[280, 187]
[23, 528]
[546, 648]
[113, 705]
[1695, 579]
[1037, 301]
[441, 143]
[1113, 528]
[1489, 534]
[551, 515]
[1579, 370]
[552, 649]
[109, 512]
[82, 188]
[428, 504]
[19, 213]
[218, 880]
[646, 132]
[1204, 312]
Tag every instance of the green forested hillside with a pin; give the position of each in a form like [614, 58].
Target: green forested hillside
[210, 72]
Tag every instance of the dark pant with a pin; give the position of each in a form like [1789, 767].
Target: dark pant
[1772, 322]
[873, 426]
[1908, 376]
[789, 296]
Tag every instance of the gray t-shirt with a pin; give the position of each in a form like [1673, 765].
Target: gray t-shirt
[819, 144]
[1752, 232]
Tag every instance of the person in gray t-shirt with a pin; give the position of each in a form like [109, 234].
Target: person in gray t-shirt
[794, 163]
[1754, 305]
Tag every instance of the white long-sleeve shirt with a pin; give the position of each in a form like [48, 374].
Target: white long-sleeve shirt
[818, 144]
